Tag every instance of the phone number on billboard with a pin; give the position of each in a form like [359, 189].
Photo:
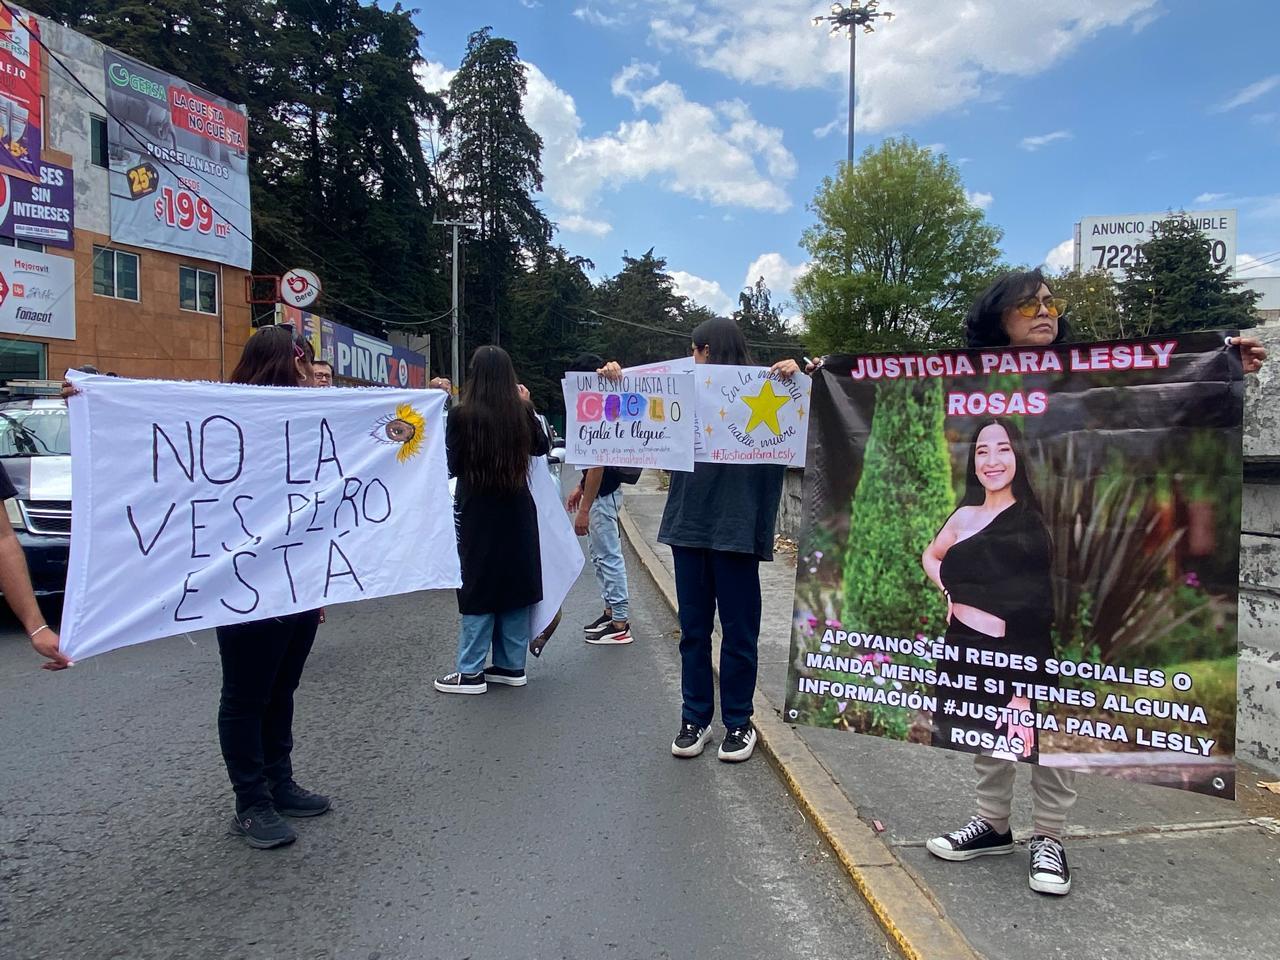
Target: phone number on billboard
[1119, 256]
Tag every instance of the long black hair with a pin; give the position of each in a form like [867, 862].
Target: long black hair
[271, 356]
[491, 425]
[725, 341]
[975, 494]
[984, 324]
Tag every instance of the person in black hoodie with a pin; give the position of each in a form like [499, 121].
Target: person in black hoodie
[491, 435]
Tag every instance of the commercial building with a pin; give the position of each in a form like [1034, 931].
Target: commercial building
[124, 251]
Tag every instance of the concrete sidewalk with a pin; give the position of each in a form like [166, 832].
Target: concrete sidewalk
[1155, 872]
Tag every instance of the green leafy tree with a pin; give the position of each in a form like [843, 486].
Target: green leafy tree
[763, 325]
[1093, 306]
[1176, 288]
[493, 162]
[639, 317]
[897, 253]
[545, 335]
[903, 498]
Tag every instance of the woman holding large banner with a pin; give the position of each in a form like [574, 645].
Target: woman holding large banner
[491, 435]
[262, 660]
[1011, 613]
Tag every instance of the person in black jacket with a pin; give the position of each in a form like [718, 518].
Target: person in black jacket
[491, 435]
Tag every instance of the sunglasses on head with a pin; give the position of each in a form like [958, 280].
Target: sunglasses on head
[1030, 307]
[295, 338]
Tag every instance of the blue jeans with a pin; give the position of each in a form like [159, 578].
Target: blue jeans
[604, 543]
[507, 632]
[707, 580]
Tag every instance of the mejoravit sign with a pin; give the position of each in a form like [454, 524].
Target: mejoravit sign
[37, 294]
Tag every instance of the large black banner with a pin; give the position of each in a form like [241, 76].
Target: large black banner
[1028, 553]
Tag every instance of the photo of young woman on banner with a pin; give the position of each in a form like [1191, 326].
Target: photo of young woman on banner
[1028, 554]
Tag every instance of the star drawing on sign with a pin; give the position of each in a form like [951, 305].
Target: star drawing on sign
[800, 411]
[723, 413]
[764, 408]
[707, 429]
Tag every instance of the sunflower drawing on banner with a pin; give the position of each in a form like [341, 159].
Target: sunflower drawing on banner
[406, 428]
[751, 415]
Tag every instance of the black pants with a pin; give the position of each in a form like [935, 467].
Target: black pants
[262, 663]
[707, 580]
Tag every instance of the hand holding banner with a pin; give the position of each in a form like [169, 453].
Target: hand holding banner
[252, 502]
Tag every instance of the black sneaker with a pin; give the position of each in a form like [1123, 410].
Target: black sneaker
[610, 632]
[977, 838]
[598, 621]
[462, 683]
[263, 828]
[690, 740]
[292, 801]
[505, 676]
[738, 744]
[1048, 871]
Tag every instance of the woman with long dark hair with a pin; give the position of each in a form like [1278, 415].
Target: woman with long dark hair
[491, 434]
[262, 660]
[719, 522]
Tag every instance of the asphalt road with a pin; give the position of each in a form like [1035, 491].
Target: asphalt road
[544, 822]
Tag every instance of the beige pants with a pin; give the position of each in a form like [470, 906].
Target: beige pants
[1053, 793]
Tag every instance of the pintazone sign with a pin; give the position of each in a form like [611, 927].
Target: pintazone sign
[1114, 243]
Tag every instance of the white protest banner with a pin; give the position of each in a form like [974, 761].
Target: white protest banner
[561, 554]
[638, 420]
[751, 415]
[196, 505]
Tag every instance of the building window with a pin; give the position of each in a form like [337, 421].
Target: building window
[22, 244]
[115, 274]
[197, 290]
[98, 141]
[21, 360]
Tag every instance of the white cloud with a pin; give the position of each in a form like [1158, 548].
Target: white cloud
[935, 56]
[1061, 257]
[1250, 93]
[434, 77]
[1209, 198]
[780, 277]
[589, 14]
[719, 153]
[978, 199]
[708, 293]
[1248, 265]
[1044, 139]
[575, 223]
[530, 4]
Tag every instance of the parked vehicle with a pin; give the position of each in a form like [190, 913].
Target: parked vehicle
[35, 449]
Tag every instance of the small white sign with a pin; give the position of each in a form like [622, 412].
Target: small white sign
[37, 294]
[751, 415]
[639, 420]
[299, 288]
[1114, 244]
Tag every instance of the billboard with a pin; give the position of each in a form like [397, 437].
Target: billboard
[20, 119]
[42, 212]
[356, 355]
[37, 294]
[179, 162]
[1115, 243]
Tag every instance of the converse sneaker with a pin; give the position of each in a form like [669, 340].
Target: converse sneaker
[599, 621]
[292, 801]
[738, 744]
[1048, 871]
[462, 683]
[505, 676]
[610, 632]
[690, 740]
[977, 838]
[262, 827]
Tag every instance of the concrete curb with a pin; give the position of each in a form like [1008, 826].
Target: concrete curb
[909, 915]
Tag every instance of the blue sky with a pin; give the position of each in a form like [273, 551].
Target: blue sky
[703, 128]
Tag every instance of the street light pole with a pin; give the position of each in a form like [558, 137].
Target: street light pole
[456, 368]
[849, 18]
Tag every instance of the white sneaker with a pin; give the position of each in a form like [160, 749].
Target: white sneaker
[607, 633]
[1048, 871]
[690, 741]
[738, 745]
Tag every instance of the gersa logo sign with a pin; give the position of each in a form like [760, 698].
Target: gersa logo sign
[121, 77]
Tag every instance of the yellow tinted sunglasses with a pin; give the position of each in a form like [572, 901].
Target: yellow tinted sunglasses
[1029, 307]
